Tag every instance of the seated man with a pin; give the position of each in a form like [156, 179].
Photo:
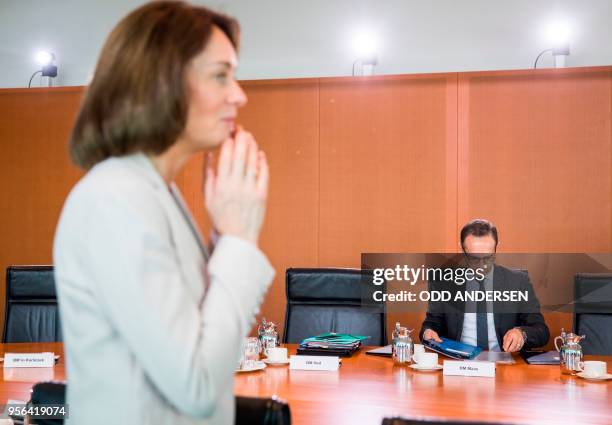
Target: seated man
[490, 330]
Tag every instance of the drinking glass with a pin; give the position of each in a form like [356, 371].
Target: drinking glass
[251, 353]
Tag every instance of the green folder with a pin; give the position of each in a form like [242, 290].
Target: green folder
[334, 340]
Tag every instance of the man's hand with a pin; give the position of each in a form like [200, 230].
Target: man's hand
[513, 340]
[236, 196]
[431, 334]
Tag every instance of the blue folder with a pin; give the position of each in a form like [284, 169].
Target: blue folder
[453, 349]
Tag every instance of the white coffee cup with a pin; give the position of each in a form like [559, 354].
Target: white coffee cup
[426, 360]
[593, 369]
[277, 354]
[419, 348]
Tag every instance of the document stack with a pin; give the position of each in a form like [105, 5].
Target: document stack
[331, 344]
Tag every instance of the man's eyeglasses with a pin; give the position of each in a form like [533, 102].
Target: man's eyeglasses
[479, 258]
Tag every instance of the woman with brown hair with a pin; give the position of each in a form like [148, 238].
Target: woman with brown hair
[152, 321]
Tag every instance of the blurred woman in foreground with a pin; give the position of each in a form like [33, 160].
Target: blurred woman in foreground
[153, 322]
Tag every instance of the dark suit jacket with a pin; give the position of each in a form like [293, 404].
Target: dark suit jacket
[447, 318]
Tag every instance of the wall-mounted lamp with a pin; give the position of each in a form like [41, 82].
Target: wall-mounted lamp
[559, 53]
[558, 34]
[365, 47]
[49, 67]
[365, 66]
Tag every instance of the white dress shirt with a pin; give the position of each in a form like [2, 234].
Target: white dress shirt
[145, 342]
[468, 335]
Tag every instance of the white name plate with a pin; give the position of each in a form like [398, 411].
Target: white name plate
[314, 362]
[469, 368]
[29, 360]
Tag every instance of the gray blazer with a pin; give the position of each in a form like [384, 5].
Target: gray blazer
[145, 342]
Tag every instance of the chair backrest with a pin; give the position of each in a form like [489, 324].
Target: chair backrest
[262, 411]
[48, 393]
[31, 312]
[323, 300]
[249, 410]
[593, 312]
[425, 421]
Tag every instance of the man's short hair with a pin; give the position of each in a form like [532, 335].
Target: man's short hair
[479, 228]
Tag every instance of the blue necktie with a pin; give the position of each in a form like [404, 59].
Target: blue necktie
[482, 334]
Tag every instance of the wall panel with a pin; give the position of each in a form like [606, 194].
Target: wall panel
[534, 157]
[388, 169]
[35, 171]
[388, 156]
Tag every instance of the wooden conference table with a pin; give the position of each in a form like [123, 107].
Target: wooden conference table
[368, 388]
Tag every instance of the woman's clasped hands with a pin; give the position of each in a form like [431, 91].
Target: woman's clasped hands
[236, 196]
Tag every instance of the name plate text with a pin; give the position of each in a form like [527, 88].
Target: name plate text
[29, 360]
[469, 368]
[314, 362]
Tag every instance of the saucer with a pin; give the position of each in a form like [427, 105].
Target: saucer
[280, 363]
[594, 378]
[258, 366]
[426, 368]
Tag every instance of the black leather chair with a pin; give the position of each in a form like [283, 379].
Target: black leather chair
[48, 393]
[593, 312]
[249, 410]
[333, 300]
[262, 411]
[31, 312]
[426, 421]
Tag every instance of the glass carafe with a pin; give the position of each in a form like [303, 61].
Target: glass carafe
[402, 346]
[570, 352]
